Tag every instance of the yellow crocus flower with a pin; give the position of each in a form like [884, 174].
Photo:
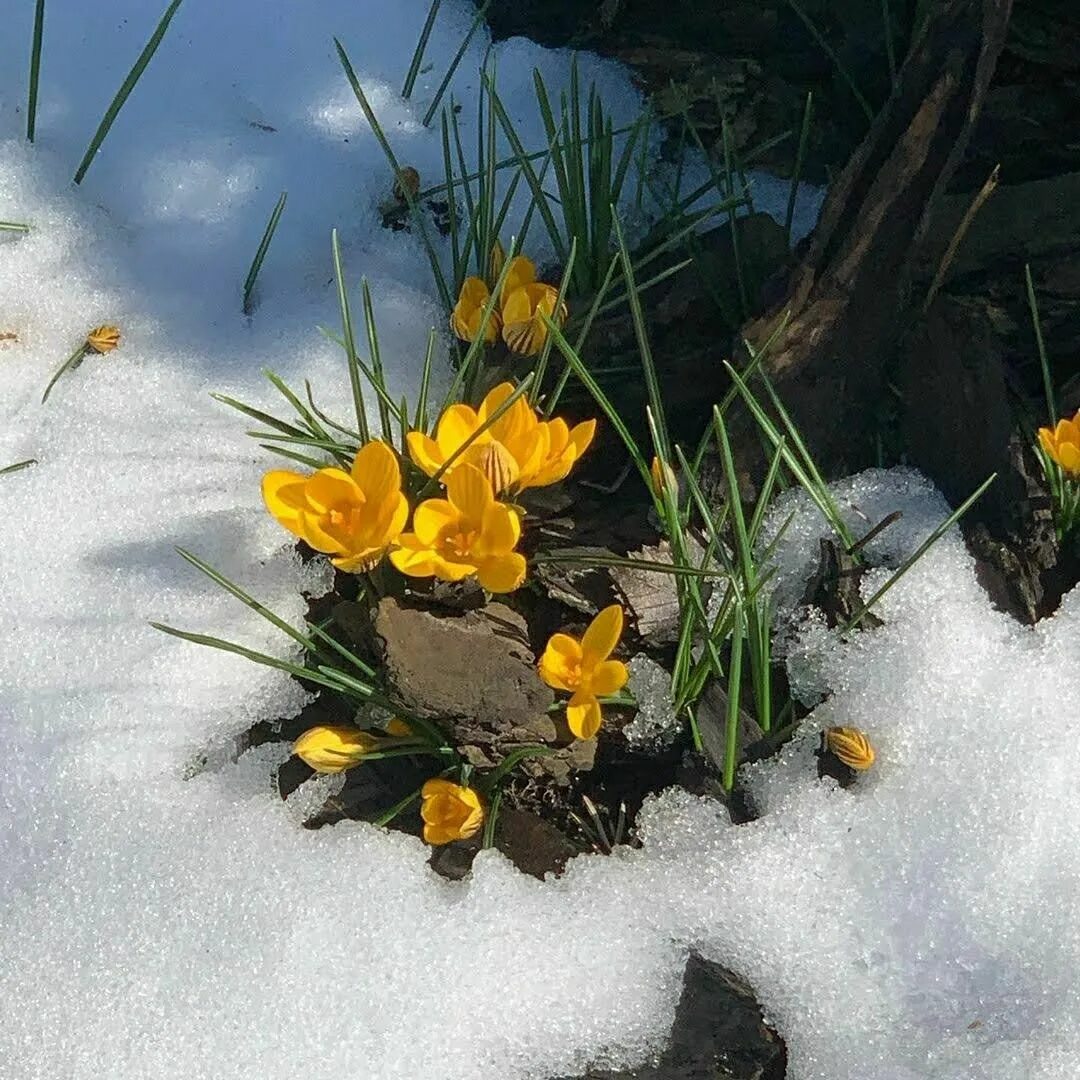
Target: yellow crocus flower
[450, 812]
[466, 533]
[103, 339]
[521, 272]
[523, 311]
[1062, 444]
[583, 668]
[537, 453]
[352, 516]
[334, 749]
[468, 312]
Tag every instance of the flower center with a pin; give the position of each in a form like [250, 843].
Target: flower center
[461, 543]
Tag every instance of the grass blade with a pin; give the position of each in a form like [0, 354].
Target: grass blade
[18, 466]
[350, 340]
[433, 108]
[378, 374]
[1044, 363]
[13, 226]
[125, 90]
[35, 69]
[418, 52]
[264, 244]
[796, 174]
[70, 364]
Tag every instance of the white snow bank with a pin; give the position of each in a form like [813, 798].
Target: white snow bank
[921, 926]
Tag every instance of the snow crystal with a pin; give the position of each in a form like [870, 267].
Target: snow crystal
[654, 722]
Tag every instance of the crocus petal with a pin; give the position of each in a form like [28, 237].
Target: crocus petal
[602, 636]
[283, 493]
[334, 749]
[454, 428]
[311, 530]
[413, 558]
[521, 271]
[1046, 438]
[493, 399]
[502, 573]
[560, 666]
[430, 518]
[332, 488]
[581, 436]
[469, 491]
[376, 471]
[608, 677]
[500, 531]
[583, 716]
[1069, 457]
[359, 562]
[425, 452]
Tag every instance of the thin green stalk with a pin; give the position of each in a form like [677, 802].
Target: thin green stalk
[921, 550]
[378, 378]
[17, 466]
[733, 220]
[403, 187]
[1044, 363]
[800, 157]
[830, 52]
[125, 90]
[35, 69]
[14, 226]
[418, 52]
[70, 364]
[397, 809]
[734, 688]
[359, 407]
[260, 254]
[421, 420]
[545, 352]
[477, 22]
[890, 46]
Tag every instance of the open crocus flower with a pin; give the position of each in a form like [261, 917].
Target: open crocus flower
[450, 812]
[516, 452]
[352, 516]
[468, 312]
[334, 749]
[466, 533]
[1062, 444]
[583, 668]
[523, 327]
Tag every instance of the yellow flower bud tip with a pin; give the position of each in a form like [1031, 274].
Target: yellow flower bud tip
[663, 478]
[334, 749]
[851, 746]
[397, 727]
[450, 812]
[497, 261]
[103, 339]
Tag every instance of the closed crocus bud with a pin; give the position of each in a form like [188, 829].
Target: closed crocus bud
[663, 479]
[103, 339]
[851, 746]
[334, 749]
[450, 812]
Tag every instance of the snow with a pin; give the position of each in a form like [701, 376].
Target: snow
[163, 913]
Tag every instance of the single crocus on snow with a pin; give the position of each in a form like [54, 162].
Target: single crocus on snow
[583, 668]
[466, 533]
[516, 451]
[351, 516]
[450, 811]
[334, 749]
[1062, 444]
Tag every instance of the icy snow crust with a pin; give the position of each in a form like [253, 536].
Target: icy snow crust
[163, 914]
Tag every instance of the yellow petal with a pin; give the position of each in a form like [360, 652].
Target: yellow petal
[500, 531]
[413, 558]
[424, 451]
[522, 271]
[560, 666]
[608, 677]
[1069, 457]
[283, 493]
[468, 490]
[583, 716]
[329, 488]
[454, 428]
[493, 399]
[602, 636]
[1046, 438]
[430, 517]
[581, 436]
[502, 573]
[376, 471]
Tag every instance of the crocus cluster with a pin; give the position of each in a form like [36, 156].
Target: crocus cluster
[519, 313]
[360, 516]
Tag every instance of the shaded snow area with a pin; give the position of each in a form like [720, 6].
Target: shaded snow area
[163, 914]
